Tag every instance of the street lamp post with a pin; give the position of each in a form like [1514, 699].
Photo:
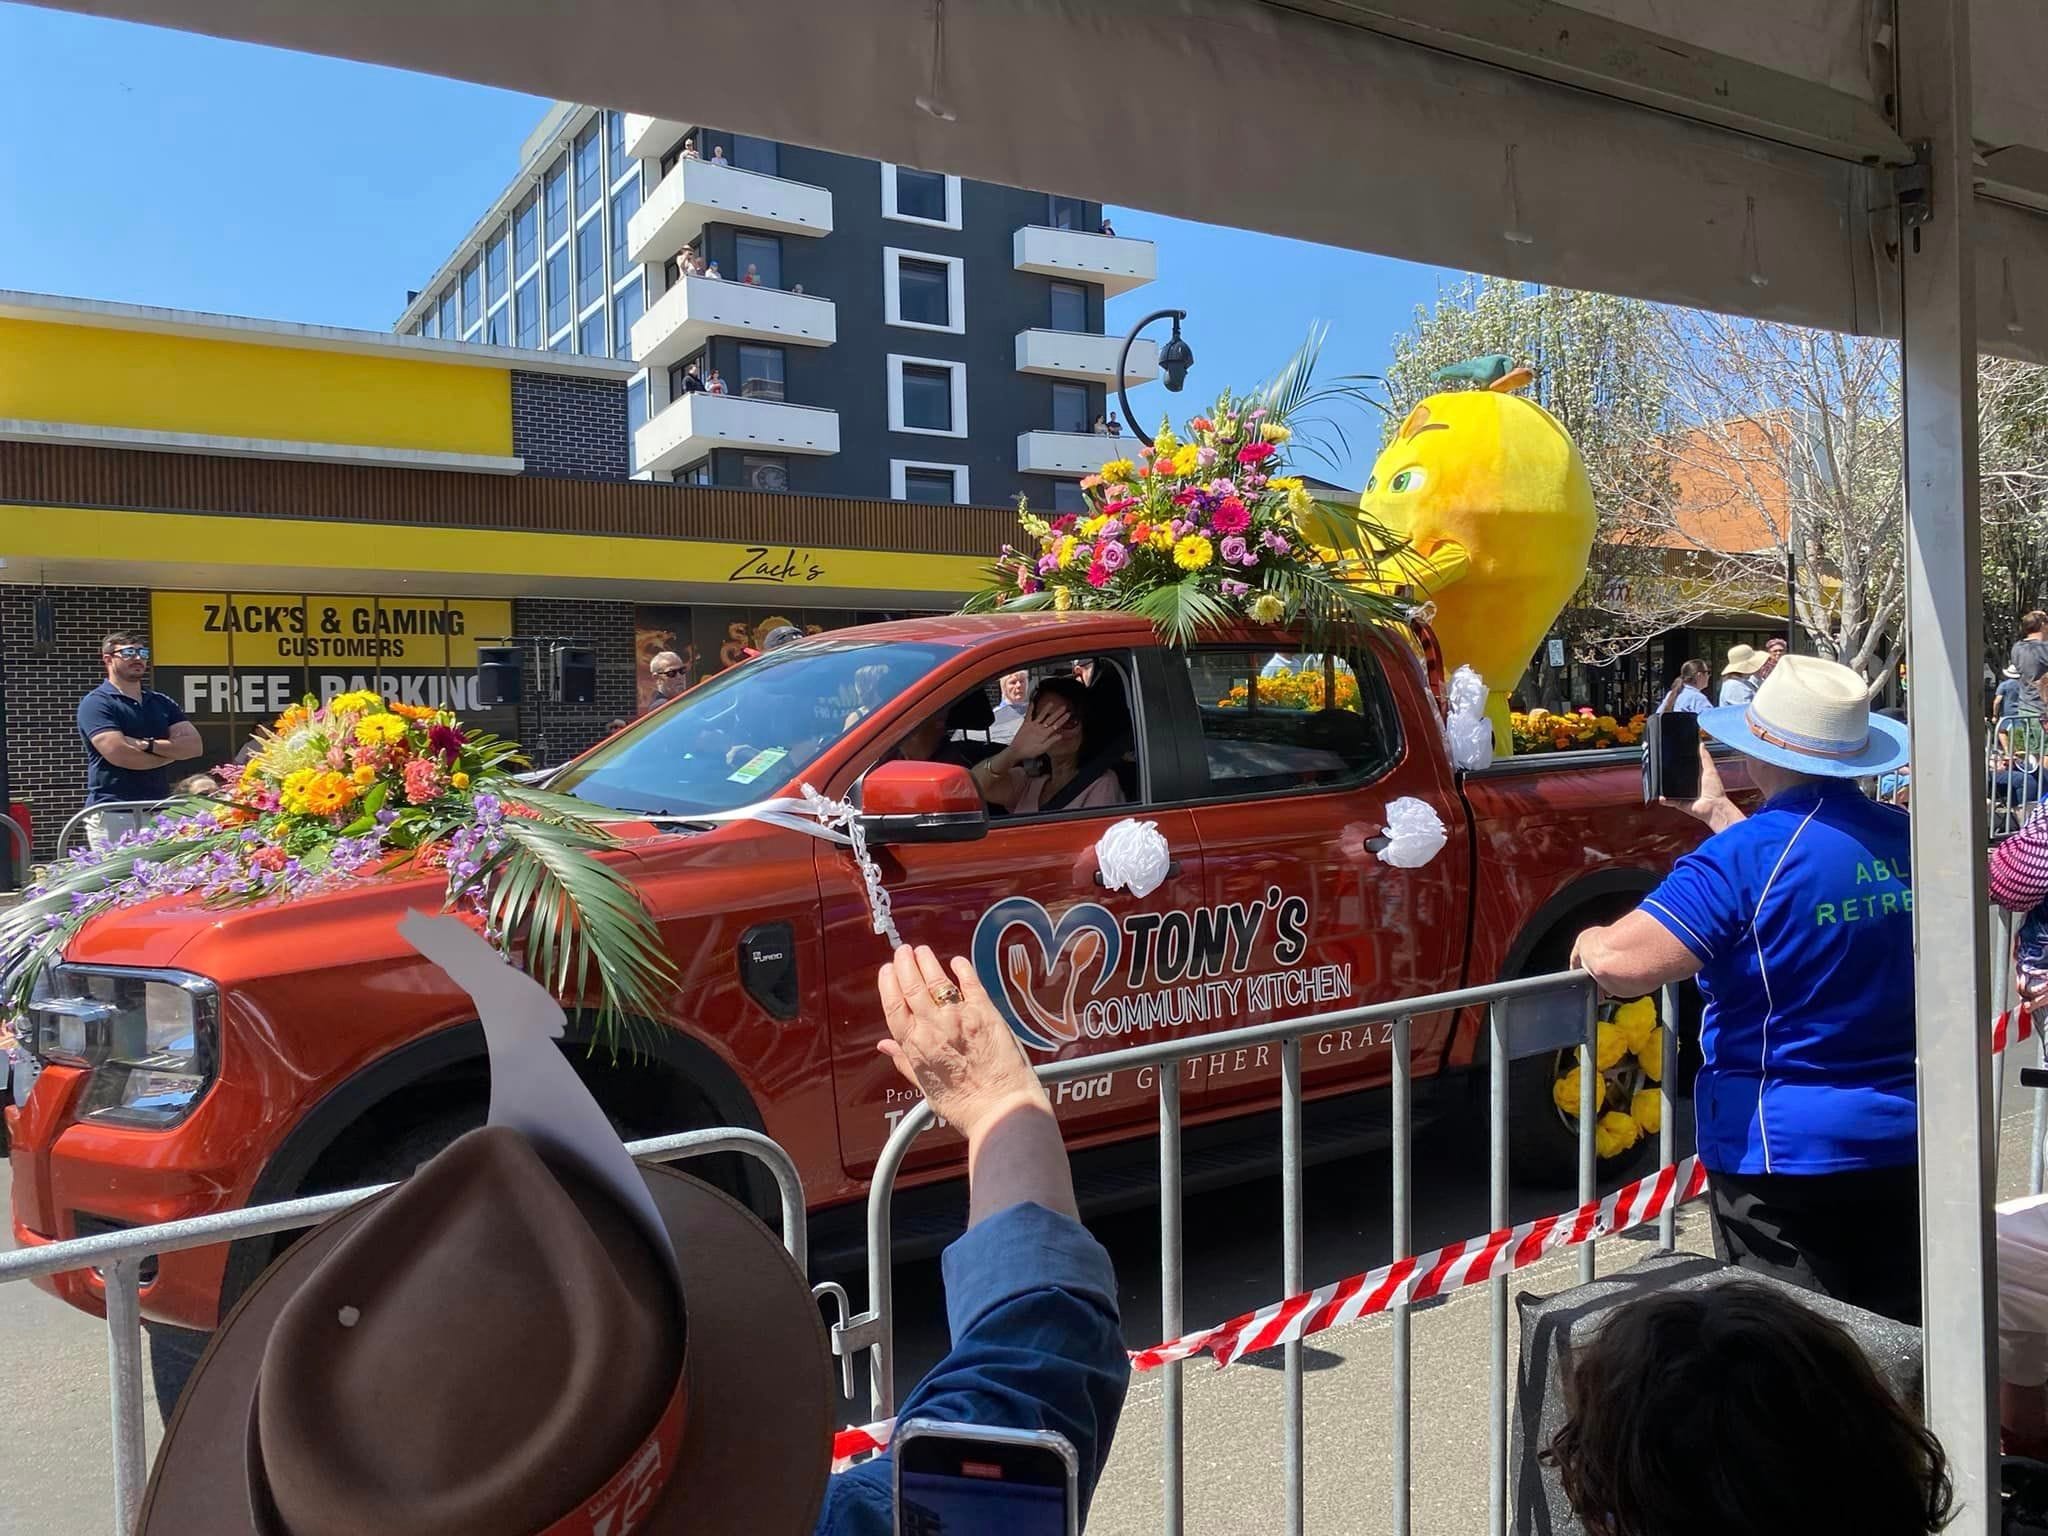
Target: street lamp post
[1175, 359]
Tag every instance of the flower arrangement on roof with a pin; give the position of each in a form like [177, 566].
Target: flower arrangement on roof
[360, 786]
[1200, 531]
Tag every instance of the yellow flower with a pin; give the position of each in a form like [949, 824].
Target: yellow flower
[1193, 552]
[459, 780]
[1651, 1057]
[364, 775]
[1273, 432]
[1565, 1093]
[1268, 608]
[1287, 483]
[1612, 1046]
[1615, 1133]
[1187, 460]
[1118, 469]
[1299, 502]
[1066, 551]
[292, 793]
[1647, 1110]
[1637, 1021]
[1094, 525]
[1162, 537]
[361, 702]
[380, 729]
[1062, 599]
[1164, 444]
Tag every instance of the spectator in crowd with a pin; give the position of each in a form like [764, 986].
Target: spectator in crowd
[718, 154]
[2030, 661]
[692, 1388]
[690, 148]
[796, 287]
[615, 727]
[1116, 428]
[670, 676]
[752, 276]
[711, 271]
[132, 735]
[1101, 427]
[201, 784]
[692, 383]
[1797, 921]
[1688, 693]
[1056, 729]
[715, 385]
[1015, 705]
[2005, 698]
[1108, 228]
[1735, 1411]
[1774, 648]
[1738, 677]
[774, 640]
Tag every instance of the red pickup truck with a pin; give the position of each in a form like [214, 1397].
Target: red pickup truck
[322, 1052]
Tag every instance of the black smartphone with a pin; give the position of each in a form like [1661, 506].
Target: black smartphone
[1671, 757]
[966, 1479]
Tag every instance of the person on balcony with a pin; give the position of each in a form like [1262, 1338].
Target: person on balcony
[718, 154]
[692, 384]
[715, 385]
[752, 276]
[690, 149]
[711, 271]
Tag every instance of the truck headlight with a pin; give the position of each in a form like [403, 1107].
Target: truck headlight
[149, 1039]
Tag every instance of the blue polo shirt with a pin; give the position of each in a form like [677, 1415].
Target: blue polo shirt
[1802, 919]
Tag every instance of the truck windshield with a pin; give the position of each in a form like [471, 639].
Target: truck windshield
[749, 732]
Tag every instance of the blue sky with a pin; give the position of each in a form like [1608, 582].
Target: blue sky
[161, 168]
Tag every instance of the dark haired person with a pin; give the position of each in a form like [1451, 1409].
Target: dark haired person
[1735, 1411]
[132, 736]
[1057, 729]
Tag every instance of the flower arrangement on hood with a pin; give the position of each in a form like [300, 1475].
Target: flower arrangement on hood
[1201, 530]
[361, 786]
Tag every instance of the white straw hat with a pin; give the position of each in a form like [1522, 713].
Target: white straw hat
[1743, 660]
[1811, 716]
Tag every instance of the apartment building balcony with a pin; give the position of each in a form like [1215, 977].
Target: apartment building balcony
[1068, 455]
[697, 192]
[1116, 263]
[698, 308]
[1086, 356]
[649, 138]
[692, 425]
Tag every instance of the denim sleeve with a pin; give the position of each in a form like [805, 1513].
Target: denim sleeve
[1037, 1344]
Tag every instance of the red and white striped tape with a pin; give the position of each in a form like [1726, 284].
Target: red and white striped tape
[2011, 1027]
[1446, 1269]
[851, 1443]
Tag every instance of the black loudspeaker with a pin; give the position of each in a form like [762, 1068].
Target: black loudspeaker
[45, 626]
[575, 674]
[498, 674]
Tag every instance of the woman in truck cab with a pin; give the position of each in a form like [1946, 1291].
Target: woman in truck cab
[1077, 743]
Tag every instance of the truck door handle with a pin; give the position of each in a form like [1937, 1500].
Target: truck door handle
[1376, 842]
[1172, 869]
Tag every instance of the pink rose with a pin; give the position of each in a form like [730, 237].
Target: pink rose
[1234, 552]
[1233, 588]
[1112, 557]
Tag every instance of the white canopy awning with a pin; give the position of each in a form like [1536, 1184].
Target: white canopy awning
[1505, 136]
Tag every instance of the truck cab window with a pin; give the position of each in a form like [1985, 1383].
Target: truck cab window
[1274, 721]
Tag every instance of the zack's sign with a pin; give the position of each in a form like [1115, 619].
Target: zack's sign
[1087, 975]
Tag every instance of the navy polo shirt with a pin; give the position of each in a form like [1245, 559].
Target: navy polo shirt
[107, 708]
[1802, 919]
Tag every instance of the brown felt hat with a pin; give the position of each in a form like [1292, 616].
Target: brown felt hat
[497, 1348]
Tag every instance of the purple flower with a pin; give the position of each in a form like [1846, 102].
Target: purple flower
[1234, 553]
[1208, 458]
[1047, 564]
[1114, 557]
[1233, 588]
[1275, 541]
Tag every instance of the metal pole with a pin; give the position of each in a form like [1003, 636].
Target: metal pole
[124, 1370]
[1497, 1287]
[1944, 632]
[1667, 1026]
[1591, 1092]
[1171, 1462]
[1404, 1245]
[1123, 359]
[1290, 1268]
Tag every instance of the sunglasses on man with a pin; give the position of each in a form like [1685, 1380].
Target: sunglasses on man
[669, 672]
[130, 652]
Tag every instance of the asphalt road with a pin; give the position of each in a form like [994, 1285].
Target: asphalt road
[54, 1459]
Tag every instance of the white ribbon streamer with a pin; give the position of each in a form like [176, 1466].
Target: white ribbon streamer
[1468, 734]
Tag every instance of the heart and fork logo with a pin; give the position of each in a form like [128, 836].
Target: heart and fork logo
[1020, 952]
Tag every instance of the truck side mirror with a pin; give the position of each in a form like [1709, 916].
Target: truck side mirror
[907, 802]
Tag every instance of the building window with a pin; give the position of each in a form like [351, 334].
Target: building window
[761, 252]
[698, 473]
[589, 169]
[526, 235]
[920, 197]
[558, 290]
[914, 480]
[1070, 213]
[562, 342]
[1067, 496]
[558, 202]
[751, 154]
[497, 329]
[1069, 307]
[1070, 407]
[494, 268]
[927, 394]
[430, 322]
[593, 338]
[761, 372]
[526, 304]
[615, 143]
[924, 291]
[451, 313]
[679, 373]
[764, 472]
[625, 203]
[628, 305]
[589, 263]
[636, 418]
[472, 296]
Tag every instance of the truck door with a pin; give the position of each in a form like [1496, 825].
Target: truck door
[1294, 761]
[1053, 948]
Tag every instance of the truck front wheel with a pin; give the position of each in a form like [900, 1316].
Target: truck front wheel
[1544, 1098]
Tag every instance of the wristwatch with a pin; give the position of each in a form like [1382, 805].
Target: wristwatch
[149, 746]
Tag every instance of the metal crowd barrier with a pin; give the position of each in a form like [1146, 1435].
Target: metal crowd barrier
[118, 1257]
[64, 844]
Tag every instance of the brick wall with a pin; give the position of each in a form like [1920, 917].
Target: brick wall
[45, 762]
[554, 733]
[574, 428]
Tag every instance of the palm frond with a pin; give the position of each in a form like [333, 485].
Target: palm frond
[1179, 610]
[582, 815]
[1294, 398]
[577, 915]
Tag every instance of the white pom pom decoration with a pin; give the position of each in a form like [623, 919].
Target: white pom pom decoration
[1468, 734]
[1415, 834]
[1133, 856]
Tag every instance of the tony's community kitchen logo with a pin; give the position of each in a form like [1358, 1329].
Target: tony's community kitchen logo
[1090, 975]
